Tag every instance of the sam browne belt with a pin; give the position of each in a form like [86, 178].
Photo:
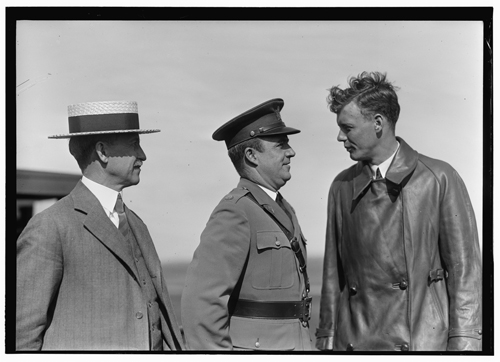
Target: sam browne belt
[274, 310]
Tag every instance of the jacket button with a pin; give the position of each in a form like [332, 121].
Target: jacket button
[403, 285]
[404, 347]
[277, 243]
[480, 331]
[138, 315]
[257, 344]
[353, 290]
[350, 347]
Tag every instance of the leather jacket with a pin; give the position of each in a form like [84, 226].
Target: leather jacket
[402, 268]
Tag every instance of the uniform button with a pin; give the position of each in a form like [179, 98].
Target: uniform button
[229, 197]
[138, 315]
[479, 331]
[150, 304]
[353, 290]
[350, 347]
[257, 344]
[405, 347]
[403, 285]
[277, 243]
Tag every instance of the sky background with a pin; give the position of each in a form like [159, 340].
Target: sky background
[191, 77]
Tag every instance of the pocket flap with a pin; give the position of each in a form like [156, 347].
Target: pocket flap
[271, 239]
[264, 334]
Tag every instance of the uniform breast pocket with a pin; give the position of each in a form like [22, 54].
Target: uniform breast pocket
[274, 265]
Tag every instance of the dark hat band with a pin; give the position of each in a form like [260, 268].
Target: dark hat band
[262, 130]
[103, 122]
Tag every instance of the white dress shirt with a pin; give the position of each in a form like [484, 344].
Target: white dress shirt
[384, 166]
[106, 196]
[272, 194]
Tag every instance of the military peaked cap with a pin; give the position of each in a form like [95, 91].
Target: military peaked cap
[262, 120]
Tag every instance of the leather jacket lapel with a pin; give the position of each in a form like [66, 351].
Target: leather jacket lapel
[403, 164]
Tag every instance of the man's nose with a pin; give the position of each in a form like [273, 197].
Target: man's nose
[341, 136]
[142, 155]
[290, 152]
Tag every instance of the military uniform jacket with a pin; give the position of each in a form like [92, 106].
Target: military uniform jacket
[77, 284]
[243, 253]
[402, 267]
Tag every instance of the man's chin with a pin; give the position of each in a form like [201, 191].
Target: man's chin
[354, 157]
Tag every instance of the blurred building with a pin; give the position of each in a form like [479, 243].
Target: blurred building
[37, 190]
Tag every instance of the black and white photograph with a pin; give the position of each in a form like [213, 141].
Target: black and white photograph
[214, 180]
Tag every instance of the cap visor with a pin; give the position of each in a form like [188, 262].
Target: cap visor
[280, 130]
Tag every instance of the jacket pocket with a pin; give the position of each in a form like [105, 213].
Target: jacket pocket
[264, 334]
[274, 264]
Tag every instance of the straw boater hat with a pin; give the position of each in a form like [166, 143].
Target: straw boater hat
[103, 118]
[260, 121]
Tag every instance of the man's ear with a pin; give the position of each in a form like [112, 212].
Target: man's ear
[378, 122]
[250, 155]
[102, 151]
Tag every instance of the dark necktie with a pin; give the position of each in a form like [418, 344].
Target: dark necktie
[378, 175]
[123, 224]
[279, 201]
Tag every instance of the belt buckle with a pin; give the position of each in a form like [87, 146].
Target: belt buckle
[307, 310]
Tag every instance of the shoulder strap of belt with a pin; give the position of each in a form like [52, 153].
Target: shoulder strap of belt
[293, 243]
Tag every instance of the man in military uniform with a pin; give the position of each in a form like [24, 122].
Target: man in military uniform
[247, 286]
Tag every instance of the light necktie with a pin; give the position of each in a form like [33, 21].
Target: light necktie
[378, 175]
[123, 224]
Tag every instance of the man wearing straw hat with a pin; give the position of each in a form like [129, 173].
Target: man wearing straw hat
[247, 286]
[88, 275]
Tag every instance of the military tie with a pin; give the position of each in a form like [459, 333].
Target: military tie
[279, 201]
[378, 175]
[123, 224]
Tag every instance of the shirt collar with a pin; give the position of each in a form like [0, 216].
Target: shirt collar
[271, 194]
[106, 196]
[384, 166]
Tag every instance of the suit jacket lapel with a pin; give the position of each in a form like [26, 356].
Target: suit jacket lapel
[146, 245]
[269, 204]
[153, 265]
[99, 225]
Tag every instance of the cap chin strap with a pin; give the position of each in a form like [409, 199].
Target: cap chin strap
[260, 130]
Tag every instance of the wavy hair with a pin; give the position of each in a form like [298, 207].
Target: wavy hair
[371, 92]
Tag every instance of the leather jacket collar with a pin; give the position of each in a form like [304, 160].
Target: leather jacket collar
[404, 164]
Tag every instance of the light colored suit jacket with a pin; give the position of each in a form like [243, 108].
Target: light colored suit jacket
[77, 285]
[244, 254]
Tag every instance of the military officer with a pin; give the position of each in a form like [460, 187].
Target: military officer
[247, 285]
